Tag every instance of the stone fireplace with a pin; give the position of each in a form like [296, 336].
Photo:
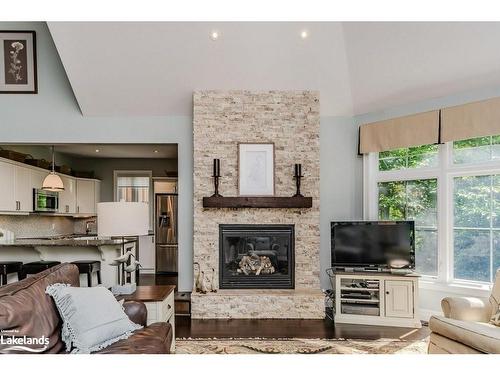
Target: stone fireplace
[256, 256]
[286, 239]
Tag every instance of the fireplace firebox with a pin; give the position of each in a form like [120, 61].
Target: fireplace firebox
[255, 256]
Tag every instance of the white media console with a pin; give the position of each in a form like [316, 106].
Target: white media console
[376, 299]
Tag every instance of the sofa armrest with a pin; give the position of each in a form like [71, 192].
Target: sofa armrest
[474, 309]
[136, 311]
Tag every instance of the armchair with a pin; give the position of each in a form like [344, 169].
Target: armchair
[465, 327]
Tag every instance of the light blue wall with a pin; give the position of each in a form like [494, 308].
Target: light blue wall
[53, 116]
[429, 105]
[341, 183]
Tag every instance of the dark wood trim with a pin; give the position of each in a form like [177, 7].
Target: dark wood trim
[257, 202]
[35, 73]
[149, 293]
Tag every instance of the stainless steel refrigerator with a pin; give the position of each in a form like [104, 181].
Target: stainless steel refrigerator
[166, 234]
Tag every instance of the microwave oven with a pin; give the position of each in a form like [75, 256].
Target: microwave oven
[45, 201]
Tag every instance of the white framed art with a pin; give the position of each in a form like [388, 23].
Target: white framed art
[256, 169]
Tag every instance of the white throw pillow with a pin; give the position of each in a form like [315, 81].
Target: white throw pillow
[92, 317]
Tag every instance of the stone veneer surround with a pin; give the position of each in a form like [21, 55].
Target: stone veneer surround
[289, 119]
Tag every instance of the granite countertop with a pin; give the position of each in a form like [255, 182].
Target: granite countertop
[70, 240]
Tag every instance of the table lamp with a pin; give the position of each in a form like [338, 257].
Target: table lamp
[122, 219]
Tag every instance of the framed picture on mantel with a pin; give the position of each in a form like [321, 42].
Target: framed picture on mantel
[18, 62]
[256, 169]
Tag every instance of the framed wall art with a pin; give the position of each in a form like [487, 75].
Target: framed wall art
[256, 169]
[18, 73]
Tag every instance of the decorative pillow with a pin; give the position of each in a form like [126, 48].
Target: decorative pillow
[92, 317]
[495, 319]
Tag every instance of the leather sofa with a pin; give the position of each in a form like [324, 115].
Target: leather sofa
[465, 327]
[25, 309]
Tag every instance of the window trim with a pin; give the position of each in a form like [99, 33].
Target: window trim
[445, 172]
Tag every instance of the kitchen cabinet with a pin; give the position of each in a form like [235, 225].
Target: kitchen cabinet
[85, 197]
[80, 196]
[7, 187]
[147, 253]
[67, 198]
[23, 189]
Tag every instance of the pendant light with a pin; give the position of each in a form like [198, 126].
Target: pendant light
[53, 182]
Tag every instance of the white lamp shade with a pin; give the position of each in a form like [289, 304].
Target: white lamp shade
[122, 219]
[52, 183]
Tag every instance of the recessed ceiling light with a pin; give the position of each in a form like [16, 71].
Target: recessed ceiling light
[304, 34]
[214, 35]
[97, 150]
[156, 151]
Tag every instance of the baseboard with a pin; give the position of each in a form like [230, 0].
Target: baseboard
[425, 314]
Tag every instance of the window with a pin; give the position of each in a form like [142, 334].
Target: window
[134, 186]
[414, 200]
[476, 229]
[413, 157]
[452, 192]
[476, 150]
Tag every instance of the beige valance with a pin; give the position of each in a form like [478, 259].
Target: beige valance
[408, 131]
[471, 120]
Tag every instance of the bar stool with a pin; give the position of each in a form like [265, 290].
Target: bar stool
[10, 267]
[36, 267]
[89, 267]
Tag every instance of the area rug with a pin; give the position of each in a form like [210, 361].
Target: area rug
[299, 346]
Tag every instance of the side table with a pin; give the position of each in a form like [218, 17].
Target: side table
[159, 301]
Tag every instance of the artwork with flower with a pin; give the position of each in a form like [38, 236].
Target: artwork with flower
[19, 73]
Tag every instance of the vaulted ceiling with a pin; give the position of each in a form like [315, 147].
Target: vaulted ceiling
[149, 69]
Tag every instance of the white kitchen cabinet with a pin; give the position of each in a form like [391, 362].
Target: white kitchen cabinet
[67, 198]
[97, 193]
[37, 177]
[7, 187]
[23, 189]
[147, 253]
[398, 299]
[85, 196]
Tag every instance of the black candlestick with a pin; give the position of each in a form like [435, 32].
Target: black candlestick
[217, 167]
[298, 176]
[216, 177]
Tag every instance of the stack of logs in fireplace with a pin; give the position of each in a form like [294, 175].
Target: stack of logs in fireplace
[254, 264]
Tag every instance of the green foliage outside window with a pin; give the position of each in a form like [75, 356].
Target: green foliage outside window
[476, 227]
[476, 150]
[412, 157]
[414, 200]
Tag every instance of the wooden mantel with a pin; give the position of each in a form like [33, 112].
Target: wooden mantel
[257, 202]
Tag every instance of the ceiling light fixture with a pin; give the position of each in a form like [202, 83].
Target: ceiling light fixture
[214, 35]
[53, 182]
[156, 151]
[304, 34]
[97, 150]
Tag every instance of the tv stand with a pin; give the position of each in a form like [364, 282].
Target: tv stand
[376, 298]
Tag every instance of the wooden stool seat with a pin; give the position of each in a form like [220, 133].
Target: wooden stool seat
[89, 267]
[36, 267]
[10, 267]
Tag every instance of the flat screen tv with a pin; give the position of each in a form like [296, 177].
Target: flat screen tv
[377, 244]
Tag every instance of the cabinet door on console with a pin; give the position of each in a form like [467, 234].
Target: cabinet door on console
[399, 299]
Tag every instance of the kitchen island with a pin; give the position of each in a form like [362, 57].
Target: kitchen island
[69, 249]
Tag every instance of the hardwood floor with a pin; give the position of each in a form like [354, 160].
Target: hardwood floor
[280, 328]
[289, 328]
